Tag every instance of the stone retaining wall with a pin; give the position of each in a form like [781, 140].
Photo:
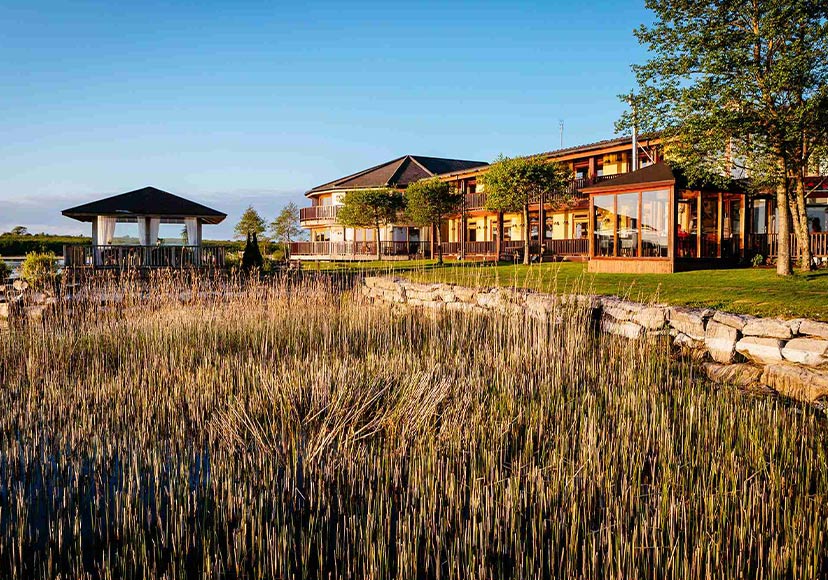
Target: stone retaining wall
[788, 356]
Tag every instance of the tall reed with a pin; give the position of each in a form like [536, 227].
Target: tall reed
[205, 427]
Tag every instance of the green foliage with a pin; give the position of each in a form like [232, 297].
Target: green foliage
[249, 223]
[39, 269]
[513, 183]
[286, 228]
[19, 231]
[429, 201]
[757, 260]
[4, 270]
[370, 207]
[16, 245]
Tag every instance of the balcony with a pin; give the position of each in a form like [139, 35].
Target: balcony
[477, 201]
[318, 214]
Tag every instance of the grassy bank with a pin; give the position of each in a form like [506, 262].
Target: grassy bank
[279, 431]
[757, 291]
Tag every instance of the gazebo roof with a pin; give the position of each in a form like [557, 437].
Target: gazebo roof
[147, 201]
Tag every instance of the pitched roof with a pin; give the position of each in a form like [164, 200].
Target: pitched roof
[661, 172]
[399, 172]
[656, 173]
[615, 141]
[145, 201]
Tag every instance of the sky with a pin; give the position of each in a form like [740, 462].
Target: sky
[253, 103]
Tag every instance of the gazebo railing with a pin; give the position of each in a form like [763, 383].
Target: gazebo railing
[126, 257]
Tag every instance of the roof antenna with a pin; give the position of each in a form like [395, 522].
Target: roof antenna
[560, 124]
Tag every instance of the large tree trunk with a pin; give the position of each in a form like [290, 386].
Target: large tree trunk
[526, 234]
[379, 255]
[439, 245]
[783, 238]
[800, 222]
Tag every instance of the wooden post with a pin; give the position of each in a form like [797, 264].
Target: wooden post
[591, 227]
[591, 171]
[541, 226]
[742, 224]
[463, 222]
[640, 225]
[720, 226]
[699, 225]
[433, 235]
[499, 244]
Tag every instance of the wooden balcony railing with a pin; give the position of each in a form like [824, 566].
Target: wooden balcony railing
[475, 201]
[359, 250]
[126, 257]
[768, 245]
[319, 213]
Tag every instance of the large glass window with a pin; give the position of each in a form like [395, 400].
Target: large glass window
[604, 225]
[628, 225]
[655, 220]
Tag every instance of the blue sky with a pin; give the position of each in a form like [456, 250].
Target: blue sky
[237, 103]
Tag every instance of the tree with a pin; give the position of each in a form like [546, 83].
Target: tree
[285, 228]
[514, 183]
[428, 202]
[740, 84]
[370, 208]
[19, 231]
[250, 223]
[252, 255]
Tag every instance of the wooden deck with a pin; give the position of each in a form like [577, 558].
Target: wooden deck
[118, 257]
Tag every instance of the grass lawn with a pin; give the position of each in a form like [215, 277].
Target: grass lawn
[756, 291]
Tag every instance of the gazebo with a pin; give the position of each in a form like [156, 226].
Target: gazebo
[148, 207]
[653, 221]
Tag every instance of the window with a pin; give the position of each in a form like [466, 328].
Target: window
[628, 224]
[605, 220]
[655, 218]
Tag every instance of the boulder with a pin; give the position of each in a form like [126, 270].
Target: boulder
[743, 375]
[720, 340]
[651, 318]
[760, 349]
[626, 329]
[690, 321]
[620, 309]
[736, 321]
[768, 327]
[812, 328]
[465, 294]
[796, 381]
[807, 351]
[491, 299]
[540, 303]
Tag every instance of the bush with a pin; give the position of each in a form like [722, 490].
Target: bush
[757, 260]
[4, 270]
[39, 269]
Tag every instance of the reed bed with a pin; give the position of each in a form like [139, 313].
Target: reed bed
[189, 428]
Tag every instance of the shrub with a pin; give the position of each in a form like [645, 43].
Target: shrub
[757, 260]
[39, 269]
[4, 270]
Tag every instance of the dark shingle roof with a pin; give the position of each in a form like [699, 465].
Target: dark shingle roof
[662, 172]
[399, 172]
[658, 172]
[145, 201]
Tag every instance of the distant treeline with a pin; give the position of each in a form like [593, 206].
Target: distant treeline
[15, 245]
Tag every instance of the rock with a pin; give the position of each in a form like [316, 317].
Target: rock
[690, 321]
[462, 307]
[768, 327]
[651, 318]
[619, 309]
[465, 294]
[760, 349]
[736, 321]
[492, 300]
[720, 340]
[541, 303]
[812, 328]
[807, 351]
[383, 283]
[797, 382]
[626, 329]
[740, 375]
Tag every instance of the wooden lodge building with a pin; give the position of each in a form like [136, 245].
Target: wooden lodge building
[623, 218]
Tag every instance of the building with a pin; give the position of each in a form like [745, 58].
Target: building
[331, 241]
[700, 227]
[477, 233]
[148, 208]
